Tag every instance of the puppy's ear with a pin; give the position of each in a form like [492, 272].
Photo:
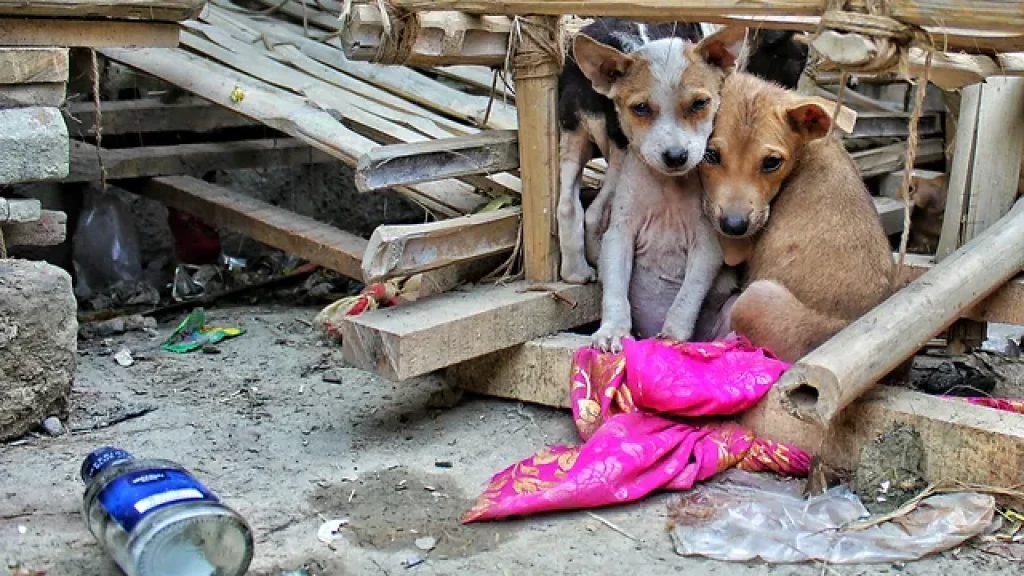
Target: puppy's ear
[725, 49]
[600, 63]
[809, 118]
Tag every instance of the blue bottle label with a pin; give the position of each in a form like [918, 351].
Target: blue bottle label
[133, 496]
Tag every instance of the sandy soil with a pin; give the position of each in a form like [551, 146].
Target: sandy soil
[259, 424]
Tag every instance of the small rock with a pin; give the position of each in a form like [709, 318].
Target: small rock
[124, 357]
[426, 543]
[443, 464]
[22, 529]
[210, 350]
[53, 426]
[333, 376]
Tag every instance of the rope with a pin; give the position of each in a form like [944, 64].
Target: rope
[400, 30]
[887, 44]
[98, 124]
[908, 167]
[543, 56]
[3, 245]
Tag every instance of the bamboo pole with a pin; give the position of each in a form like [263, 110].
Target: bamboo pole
[536, 75]
[835, 374]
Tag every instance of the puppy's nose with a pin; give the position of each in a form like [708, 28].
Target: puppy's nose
[734, 225]
[675, 157]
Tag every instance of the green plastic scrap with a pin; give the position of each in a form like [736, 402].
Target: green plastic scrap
[193, 333]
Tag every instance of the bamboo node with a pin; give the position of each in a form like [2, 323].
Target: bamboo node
[400, 31]
[543, 55]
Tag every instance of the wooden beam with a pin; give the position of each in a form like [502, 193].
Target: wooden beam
[305, 237]
[538, 371]
[987, 160]
[443, 330]
[149, 115]
[160, 10]
[836, 373]
[406, 249]
[984, 176]
[982, 14]
[440, 37]
[894, 125]
[537, 93]
[29, 95]
[488, 152]
[20, 210]
[87, 33]
[149, 161]
[886, 159]
[49, 229]
[963, 442]
[33, 65]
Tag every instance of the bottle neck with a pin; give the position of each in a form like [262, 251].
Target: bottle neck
[101, 459]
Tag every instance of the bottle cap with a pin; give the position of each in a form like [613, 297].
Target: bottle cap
[99, 459]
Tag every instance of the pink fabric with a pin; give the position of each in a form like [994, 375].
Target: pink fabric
[647, 418]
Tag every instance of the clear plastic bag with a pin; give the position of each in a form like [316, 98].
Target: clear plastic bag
[745, 517]
[105, 249]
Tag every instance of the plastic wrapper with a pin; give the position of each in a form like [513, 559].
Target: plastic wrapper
[746, 517]
[105, 248]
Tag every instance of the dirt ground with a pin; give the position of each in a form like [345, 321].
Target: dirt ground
[261, 425]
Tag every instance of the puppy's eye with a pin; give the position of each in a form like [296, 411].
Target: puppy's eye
[641, 109]
[711, 157]
[771, 164]
[700, 104]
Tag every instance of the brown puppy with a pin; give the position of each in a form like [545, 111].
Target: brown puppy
[822, 258]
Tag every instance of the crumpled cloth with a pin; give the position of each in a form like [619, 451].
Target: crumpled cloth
[646, 416]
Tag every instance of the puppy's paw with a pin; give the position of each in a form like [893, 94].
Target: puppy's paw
[609, 337]
[671, 332]
[579, 273]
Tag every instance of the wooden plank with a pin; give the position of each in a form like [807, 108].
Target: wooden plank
[537, 372]
[29, 95]
[403, 164]
[33, 65]
[443, 330]
[984, 176]
[889, 158]
[339, 104]
[305, 237]
[49, 230]
[150, 115]
[274, 107]
[87, 33]
[963, 442]
[537, 90]
[894, 125]
[983, 14]
[149, 161]
[20, 210]
[161, 10]
[400, 81]
[406, 249]
[834, 374]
